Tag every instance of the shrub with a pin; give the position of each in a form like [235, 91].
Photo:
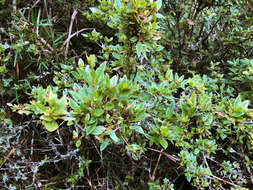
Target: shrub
[160, 101]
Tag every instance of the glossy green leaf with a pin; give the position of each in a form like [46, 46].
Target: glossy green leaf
[164, 131]
[139, 49]
[90, 129]
[73, 104]
[100, 70]
[60, 106]
[98, 112]
[163, 142]
[98, 130]
[80, 63]
[78, 143]
[118, 4]
[50, 126]
[141, 116]
[104, 145]
[114, 136]
[159, 4]
[87, 75]
[138, 129]
[109, 106]
[47, 118]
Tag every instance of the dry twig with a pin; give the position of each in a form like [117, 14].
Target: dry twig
[76, 33]
[172, 158]
[70, 30]
[11, 152]
[156, 166]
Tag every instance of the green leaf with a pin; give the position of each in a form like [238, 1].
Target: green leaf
[80, 63]
[118, 4]
[101, 69]
[92, 60]
[77, 96]
[87, 75]
[98, 130]
[177, 129]
[163, 142]
[104, 145]
[90, 129]
[76, 75]
[139, 49]
[78, 143]
[95, 10]
[109, 106]
[237, 102]
[138, 129]
[47, 118]
[169, 112]
[73, 104]
[60, 106]
[193, 98]
[52, 99]
[114, 136]
[169, 75]
[98, 112]
[158, 15]
[114, 80]
[87, 117]
[50, 126]
[245, 105]
[164, 131]
[141, 116]
[159, 4]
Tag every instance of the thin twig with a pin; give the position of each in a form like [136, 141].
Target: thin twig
[157, 163]
[70, 30]
[76, 33]
[227, 182]
[89, 182]
[11, 152]
[99, 153]
[35, 4]
[172, 158]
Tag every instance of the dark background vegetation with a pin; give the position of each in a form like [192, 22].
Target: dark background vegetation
[126, 94]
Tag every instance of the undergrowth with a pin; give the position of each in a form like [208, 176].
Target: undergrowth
[118, 94]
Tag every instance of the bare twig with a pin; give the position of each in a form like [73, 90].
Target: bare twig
[157, 163]
[11, 152]
[99, 153]
[224, 181]
[89, 182]
[172, 158]
[70, 30]
[34, 5]
[76, 33]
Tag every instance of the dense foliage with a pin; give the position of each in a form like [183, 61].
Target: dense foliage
[126, 94]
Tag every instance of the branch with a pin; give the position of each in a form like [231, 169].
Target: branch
[70, 30]
[172, 158]
[226, 182]
[157, 163]
[76, 33]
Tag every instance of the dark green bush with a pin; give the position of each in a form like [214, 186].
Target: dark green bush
[126, 94]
